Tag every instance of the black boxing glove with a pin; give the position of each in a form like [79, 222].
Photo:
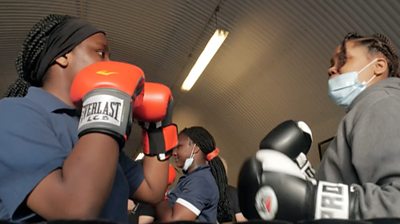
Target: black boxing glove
[294, 139]
[271, 186]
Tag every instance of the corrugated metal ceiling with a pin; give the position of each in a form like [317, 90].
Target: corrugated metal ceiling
[272, 66]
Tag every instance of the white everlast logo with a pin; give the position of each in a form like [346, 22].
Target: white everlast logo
[332, 201]
[102, 108]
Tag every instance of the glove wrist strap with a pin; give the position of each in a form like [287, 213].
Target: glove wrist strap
[160, 142]
[332, 201]
[106, 111]
[305, 166]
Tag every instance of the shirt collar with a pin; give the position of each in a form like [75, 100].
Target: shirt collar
[201, 167]
[48, 101]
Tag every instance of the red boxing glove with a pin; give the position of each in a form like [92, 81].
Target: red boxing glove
[171, 178]
[160, 135]
[106, 92]
[171, 174]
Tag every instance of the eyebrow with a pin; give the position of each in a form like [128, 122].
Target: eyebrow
[105, 46]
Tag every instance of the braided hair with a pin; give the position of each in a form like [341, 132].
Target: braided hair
[375, 43]
[31, 52]
[52, 37]
[205, 141]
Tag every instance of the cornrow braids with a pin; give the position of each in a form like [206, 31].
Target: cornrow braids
[32, 48]
[205, 141]
[343, 51]
[384, 45]
[375, 43]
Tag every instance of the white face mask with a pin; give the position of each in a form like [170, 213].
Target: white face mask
[344, 88]
[189, 161]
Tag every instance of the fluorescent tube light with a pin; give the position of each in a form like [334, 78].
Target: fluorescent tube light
[205, 57]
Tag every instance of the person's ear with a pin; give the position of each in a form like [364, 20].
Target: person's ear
[62, 61]
[381, 66]
[196, 149]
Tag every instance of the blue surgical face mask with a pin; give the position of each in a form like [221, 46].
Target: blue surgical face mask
[189, 161]
[344, 88]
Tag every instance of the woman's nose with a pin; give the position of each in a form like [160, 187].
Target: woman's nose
[332, 71]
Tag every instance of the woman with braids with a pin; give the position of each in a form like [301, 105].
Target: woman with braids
[359, 175]
[47, 172]
[201, 193]
[365, 154]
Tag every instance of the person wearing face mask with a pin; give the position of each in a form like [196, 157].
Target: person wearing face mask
[344, 88]
[364, 79]
[359, 176]
[201, 193]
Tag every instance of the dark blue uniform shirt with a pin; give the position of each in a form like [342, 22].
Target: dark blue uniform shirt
[198, 192]
[37, 133]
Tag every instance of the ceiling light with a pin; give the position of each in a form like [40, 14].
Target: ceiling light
[205, 57]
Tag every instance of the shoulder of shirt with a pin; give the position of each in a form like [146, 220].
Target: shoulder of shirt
[378, 95]
[10, 103]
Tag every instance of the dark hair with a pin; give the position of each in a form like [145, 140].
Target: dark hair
[375, 43]
[52, 37]
[205, 141]
[32, 48]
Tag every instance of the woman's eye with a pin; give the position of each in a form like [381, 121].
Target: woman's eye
[101, 53]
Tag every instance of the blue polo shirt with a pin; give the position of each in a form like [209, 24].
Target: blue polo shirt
[37, 133]
[198, 192]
